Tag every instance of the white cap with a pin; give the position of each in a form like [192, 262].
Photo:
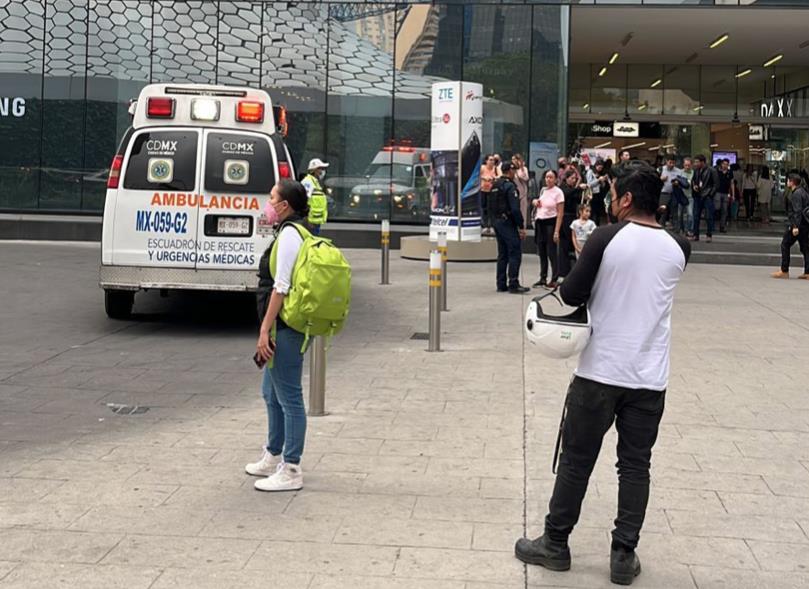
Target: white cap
[316, 163]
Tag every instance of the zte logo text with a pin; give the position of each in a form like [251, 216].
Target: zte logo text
[445, 94]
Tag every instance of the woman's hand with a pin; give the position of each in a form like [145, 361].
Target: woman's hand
[556, 238]
[265, 346]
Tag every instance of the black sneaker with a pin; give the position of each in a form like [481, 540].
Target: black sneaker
[624, 566]
[502, 290]
[539, 283]
[554, 556]
[518, 289]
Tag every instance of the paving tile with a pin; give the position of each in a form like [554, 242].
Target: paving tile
[179, 552]
[39, 516]
[404, 532]
[6, 567]
[315, 504]
[496, 537]
[414, 465]
[68, 576]
[469, 510]
[751, 527]
[355, 582]
[434, 563]
[260, 525]
[168, 521]
[79, 470]
[107, 493]
[433, 485]
[691, 550]
[56, 546]
[172, 578]
[337, 559]
[21, 489]
[781, 556]
[708, 577]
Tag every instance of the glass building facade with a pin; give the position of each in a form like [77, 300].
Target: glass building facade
[354, 76]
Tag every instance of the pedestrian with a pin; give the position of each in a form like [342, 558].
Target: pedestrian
[488, 174]
[797, 227]
[598, 181]
[736, 193]
[704, 184]
[498, 170]
[572, 188]
[764, 189]
[688, 174]
[748, 184]
[624, 156]
[318, 204]
[668, 174]
[623, 371]
[521, 181]
[279, 347]
[508, 229]
[724, 192]
[582, 228]
[549, 210]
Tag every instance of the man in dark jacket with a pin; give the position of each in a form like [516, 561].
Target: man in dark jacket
[797, 227]
[704, 184]
[508, 225]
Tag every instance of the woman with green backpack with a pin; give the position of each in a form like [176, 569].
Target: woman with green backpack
[280, 346]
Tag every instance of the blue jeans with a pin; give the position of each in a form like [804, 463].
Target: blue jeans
[706, 204]
[283, 394]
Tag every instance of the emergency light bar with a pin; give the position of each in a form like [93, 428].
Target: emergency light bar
[160, 108]
[203, 92]
[250, 112]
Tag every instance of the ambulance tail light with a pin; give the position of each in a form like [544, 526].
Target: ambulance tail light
[284, 170]
[160, 108]
[250, 112]
[115, 171]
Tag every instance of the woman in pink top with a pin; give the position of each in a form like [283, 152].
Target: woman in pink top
[550, 208]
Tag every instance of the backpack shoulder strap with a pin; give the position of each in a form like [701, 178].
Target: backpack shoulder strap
[302, 231]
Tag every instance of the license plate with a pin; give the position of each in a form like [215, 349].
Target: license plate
[233, 226]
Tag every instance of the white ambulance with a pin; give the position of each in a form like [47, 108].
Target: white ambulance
[186, 192]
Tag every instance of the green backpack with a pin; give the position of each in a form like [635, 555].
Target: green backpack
[320, 292]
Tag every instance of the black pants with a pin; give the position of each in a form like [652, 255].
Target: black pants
[546, 248]
[750, 195]
[786, 245]
[597, 211]
[565, 247]
[509, 253]
[591, 408]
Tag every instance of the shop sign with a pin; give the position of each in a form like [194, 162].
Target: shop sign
[12, 107]
[756, 133]
[600, 129]
[777, 108]
[626, 129]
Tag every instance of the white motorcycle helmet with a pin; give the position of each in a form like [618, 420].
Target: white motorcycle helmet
[557, 336]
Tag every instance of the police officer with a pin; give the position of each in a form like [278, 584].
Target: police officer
[318, 204]
[504, 211]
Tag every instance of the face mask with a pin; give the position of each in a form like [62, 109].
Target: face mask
[271, 214]
[613, 217]
[322, 174]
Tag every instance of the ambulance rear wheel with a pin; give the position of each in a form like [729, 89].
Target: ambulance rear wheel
[118, 303]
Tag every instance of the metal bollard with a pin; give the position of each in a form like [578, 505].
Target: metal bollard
[317, 377]
[442, 248]
[385, 252]
[435, 302]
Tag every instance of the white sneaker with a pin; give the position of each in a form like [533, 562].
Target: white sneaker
[288, 477]
[264, 467]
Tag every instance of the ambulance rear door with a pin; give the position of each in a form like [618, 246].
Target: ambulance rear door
[155, 219]
[239, 171]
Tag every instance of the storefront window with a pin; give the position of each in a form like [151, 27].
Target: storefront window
[22, 28]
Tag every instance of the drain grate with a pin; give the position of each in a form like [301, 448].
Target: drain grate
[120, 409]
[420, 335]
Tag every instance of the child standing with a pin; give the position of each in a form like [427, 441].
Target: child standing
[581, 228]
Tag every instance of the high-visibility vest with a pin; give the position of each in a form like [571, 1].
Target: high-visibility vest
[318, 205]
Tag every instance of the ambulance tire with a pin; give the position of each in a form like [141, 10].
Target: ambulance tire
[118, 303]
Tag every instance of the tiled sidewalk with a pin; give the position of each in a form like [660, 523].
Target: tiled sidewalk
[428, 467]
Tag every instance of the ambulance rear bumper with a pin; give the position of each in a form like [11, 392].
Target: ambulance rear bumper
[143, 277]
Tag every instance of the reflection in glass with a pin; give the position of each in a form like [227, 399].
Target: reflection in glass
[185, 41]
[63, 109]
[21, 42]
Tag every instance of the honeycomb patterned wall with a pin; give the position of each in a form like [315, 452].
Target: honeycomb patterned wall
[271, 44]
